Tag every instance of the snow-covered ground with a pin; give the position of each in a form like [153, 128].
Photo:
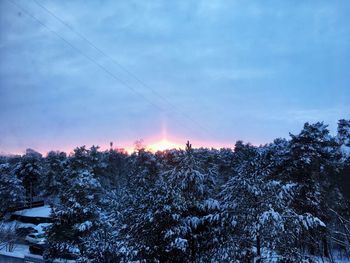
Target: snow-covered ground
[22, 250]
[16, 224]
[336, 259]
[19, 251]
[43, 211]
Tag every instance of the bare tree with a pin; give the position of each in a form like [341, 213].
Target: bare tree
[8, 236]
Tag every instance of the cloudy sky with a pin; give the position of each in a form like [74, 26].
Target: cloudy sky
[91, 72]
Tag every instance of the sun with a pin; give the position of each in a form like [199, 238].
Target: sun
[163, 145]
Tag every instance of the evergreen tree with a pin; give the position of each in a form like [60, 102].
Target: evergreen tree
[187, 190]
[287, 199]
[77, 214]
[75, 217]
[116, 170]
[258, 211]
[55, 163]
[344, 132]
[314, 164]
[225, 164]
[11, 189]
[29, 170]
[139, 201]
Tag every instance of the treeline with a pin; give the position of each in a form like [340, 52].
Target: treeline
[285, 201]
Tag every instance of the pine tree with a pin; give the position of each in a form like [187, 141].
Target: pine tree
[188, 188]
[29, 170]
[116, 169]
[287, 199]
[168, 214]
[77, 214]
[55, 163]
[11, 189]
[225, 164]
[75, 217]
[139, 200]
[344, 132]
[314, 164]
[258, 211]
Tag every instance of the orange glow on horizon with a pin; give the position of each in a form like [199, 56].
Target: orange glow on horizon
[158, 142]
[154, 144]
[163, 145]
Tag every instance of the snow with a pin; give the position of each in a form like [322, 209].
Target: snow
[194, 221]
[22, 251]
[181, 243]
[266, 192]
[270, 215]
[84, 226]
[309, 221]
[19, 252]
[211, 204]
[41, 227]
[43, 211]
[337, 259]
[345, 150]
[17, 224]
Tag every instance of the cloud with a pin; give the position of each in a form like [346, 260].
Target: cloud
[295, 118]
[315, 115]
[222, 62]
[237, 74]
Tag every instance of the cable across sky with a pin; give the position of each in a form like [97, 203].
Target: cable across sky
[173, 107]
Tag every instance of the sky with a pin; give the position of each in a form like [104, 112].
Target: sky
[91, 72]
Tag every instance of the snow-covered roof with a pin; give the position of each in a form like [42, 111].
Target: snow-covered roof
[43, 211]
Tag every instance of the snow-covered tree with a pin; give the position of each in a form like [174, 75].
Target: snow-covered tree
[190, 184]
[314, 151]
[55, 163]
[138, 201]
[287, 199]
[116, 171]
[258, 209]
[75, 217]
[314, 164]
[225, 164]
[11, 189]
[29, 170]
[169, 217]
[344, 132]
[77, 214]
[103, 245]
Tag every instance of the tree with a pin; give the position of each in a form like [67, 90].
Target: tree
[314, 164]
[286, 200]
[169, 214]
[116, 169]
[344, 132]
[55, 163]
[75, 217]
[139, 200]
[258, 211]
[11, 189]
[225, 164]
[188, 187]
[29, 170]
[78, 212]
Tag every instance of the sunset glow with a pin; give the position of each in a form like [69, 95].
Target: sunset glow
[186, 131]
[163, 144]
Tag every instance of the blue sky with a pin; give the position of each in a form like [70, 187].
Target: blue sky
[251, 70]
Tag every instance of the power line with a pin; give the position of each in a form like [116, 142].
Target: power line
[138, 80]
[86, 56]
[103, 68]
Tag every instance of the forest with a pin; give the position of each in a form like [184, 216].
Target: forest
[285, 201]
